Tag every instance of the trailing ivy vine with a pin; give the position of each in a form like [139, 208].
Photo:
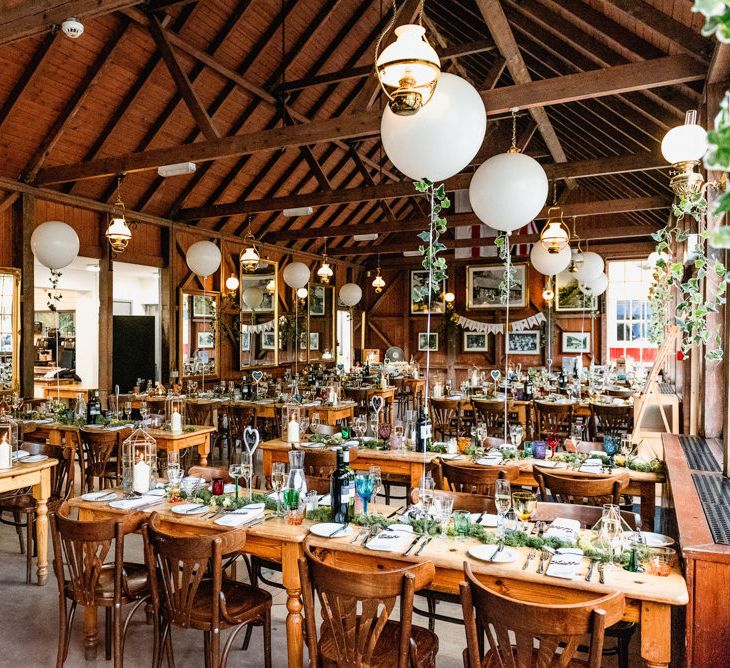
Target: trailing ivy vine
[54, 296]
[431, 246]
[509, 276]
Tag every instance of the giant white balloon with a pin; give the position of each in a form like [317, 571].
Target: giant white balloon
[55, 244]
[203, 258]
[442, 137]
[253, 297]
[595, 287]
[591, 268]
[549, 263]
[296, 275]
[350, 294]
[508, 191]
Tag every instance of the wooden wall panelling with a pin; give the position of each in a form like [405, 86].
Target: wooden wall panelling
[25, 218]
[168, 300]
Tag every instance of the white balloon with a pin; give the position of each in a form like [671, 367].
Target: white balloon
[296, 275]
[442, 137]
[508, 191]
[592, 266]
[55, 244]
[253, 297]
[203, 258]
[350, 294]
[595, 287]
[549, 263]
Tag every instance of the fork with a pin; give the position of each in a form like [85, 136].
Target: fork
[530, 556]
[601, 577]
[544, 556]
[359, 535]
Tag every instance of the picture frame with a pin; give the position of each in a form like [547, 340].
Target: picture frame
[428, 342]
[314, 340]
[203, 306]
[482, 287]
[317, 300]
[576, 342]
[419, 306]
[475, 342]
[206, 340]
[245, 341]
[268, 340]
[524, 343]
[569, 298]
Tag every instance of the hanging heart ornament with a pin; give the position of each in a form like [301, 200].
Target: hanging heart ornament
[251, 439]
[377, 402]
[257, 376]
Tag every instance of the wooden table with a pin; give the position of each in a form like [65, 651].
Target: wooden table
[649, 598]
[38, 476]
[67, 390]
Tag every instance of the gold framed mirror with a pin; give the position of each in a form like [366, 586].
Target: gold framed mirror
[9, 330]
[320, 339]
[259, 311]
[199, 340]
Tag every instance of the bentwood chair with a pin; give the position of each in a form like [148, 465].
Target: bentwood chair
[84, 577]
[355, 607]
[446, 418]
[199, 413]
[490, 414]
[576, 487]
[239, 417]
[100, 458]
[521, 633]
[476, 479]
[607, 420]
[189, 591]
[553, 419]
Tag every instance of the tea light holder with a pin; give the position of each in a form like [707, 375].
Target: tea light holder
[175, 412]
[292, 422]
[139, 462]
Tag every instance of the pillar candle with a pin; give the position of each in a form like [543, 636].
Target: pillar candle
[141, 477]
[6, 460]
[176, 423]
[292, 431]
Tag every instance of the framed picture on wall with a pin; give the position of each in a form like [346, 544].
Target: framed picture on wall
[245, 341]
[568, 296]
[203, 306]
[314, 340]
[475, 342]
[524, 343]
[483, 289]
[419, 304]
[317, 300]
[206, 340]
[268, 340]
[576, 342]
[428, 342]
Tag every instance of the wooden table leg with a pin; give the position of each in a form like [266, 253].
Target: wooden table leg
[41, 491]
[266, 464]
[647, 492]
[91, 632]
[294, 620]
[656, 634]
[204, 450]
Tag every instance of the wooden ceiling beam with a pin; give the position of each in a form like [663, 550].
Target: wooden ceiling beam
[557, 90]
[184, 86]
[26, 19]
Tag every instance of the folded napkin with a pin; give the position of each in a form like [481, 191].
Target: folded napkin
[325, 500]
[592, 466]
[492, 460]
[240, 517]
[392, 539]
[564, 565]
[488, 520]
[563, 529]
[130, 504]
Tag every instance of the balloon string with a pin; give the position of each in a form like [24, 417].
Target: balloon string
[506, 331]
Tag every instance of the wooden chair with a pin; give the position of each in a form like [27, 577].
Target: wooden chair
[622, 393]
[199, 413]
[189, 591]
[360, 396]
[476, 479]
[579, 488]
[239, 417]
[369, 638]
[558, 628]
[80, 550]
[101, 459]
[553, 419]
[318, 467]
[446, 418]
[611, 420]
[491, 415]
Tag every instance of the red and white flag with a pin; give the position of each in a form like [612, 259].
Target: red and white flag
[478, 231]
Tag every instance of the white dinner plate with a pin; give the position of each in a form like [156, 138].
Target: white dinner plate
[487, 553]
[104, 496]
[187, 509]
[326, 529]
[34, 458]
[651, 539]
[20, 454]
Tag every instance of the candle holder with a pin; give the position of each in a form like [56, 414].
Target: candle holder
[175, 413]
[139, 463]
[291, 431]
[7, 442]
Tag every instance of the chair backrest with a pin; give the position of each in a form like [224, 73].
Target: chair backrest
[99, 447]
[63, 475]
[318, 467]
[553, 419]
[611, 420]
[80, 549]
[199, 413]
[178, 566]
[543, 634]
[588, 516]
[476, 479]
[490, 414]
[355, 605]
[618, 392]
[443, 411]
[239, 417]
[591, 489]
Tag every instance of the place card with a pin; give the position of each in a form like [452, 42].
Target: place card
[492, 460]
[563, 529]
[393, 539]
[564, 565]
[487, 519]
[130, 504]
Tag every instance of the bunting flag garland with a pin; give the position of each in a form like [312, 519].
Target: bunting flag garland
[493, 328]
[258, 329]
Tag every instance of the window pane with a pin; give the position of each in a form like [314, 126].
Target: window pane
[635, 332]
[620, 310]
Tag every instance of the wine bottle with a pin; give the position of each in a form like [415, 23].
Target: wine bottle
[93, 408]
[339, 499]
[423, 431]
[350, 480]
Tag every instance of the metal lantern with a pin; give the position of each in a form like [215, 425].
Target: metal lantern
[555, 236]
[8, 441]
[139, 462]
[175, 412]
[292, 423]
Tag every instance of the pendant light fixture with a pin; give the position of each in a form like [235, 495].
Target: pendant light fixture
[555, 236]
[409, 68]
[250, 256]
[118, 232]
[683, 147]
[378, 281]
[548, 294]
[325, 271]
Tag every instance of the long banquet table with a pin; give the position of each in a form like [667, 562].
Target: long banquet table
[649, 599]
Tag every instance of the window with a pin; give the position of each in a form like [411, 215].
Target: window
[628, 311]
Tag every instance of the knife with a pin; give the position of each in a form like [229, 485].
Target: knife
[479, 519]
[412, 545]
[500, 547]
[423, 544]
[193, 509]
[590, 570]
[339, 529]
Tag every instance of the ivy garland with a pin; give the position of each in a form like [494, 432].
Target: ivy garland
[431, 247]
[54, 296]
[509, 276]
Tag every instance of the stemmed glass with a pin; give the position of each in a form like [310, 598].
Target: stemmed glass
[247, 472]
[144, 411]
[515, 434]
[278, 478]
[503, 502]
[359, 427]
[377, 480]
[364, 484]
[314, 422]
[443, 505]
[399, 431]
[235, 471]
[127, 410]
[304, 425]
[425, 493]
[610, 533]
[374, 424]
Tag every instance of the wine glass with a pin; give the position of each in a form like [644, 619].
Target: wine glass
[610, 447]
[247, 472]
[443, 506]
[303, 425]
[314, 422]
[425, 493]
[374, 424]
[503, 502]
[127, 410]
[278, 478]
[234, 470]
[377, 480]
[525, 504]
[610, 535]
[515, 434]
[364, 484]
[144, 410]
[359, 426]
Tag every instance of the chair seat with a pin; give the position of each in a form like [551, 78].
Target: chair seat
[137, 582]
[17, 502]
[243, 602]
[386, 650]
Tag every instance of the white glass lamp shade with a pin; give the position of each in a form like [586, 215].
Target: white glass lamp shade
[592, 266]
[410, 57]
[118, 234]
[350, 294]
[442, 138]
[684, 143]
[232, 283]
[54, 244]
[249, 258]
[449, 297]
[548, 294]
[554, 237]
[549, 263]
[302, 293]
[296, 275]
[271, 286]
[253, 297]
[325, 272]
[378, 283]
[203, 258]
[595, 287]
[508, 191]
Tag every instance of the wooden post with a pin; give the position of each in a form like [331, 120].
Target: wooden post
[168, 353]
[23, 222]
[106, 305]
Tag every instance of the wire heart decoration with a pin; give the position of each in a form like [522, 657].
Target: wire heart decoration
[251, 439]
[257, 376]
[377, 402]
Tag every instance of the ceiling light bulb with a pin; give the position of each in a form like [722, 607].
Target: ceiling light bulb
[449, 297]
[232, 283]
[302, 293]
